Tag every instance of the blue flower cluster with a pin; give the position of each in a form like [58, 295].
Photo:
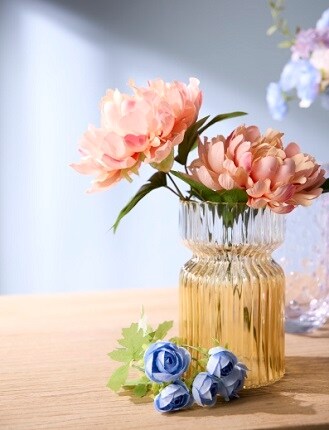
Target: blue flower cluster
[307, 71]
[166, 362]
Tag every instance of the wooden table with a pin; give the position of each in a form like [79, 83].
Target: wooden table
[54, 369]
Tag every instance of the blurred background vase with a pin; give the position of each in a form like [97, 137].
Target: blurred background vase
[231, 289]
[304, 258]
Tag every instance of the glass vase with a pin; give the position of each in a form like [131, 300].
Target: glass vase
[304, 258]
[231, 290]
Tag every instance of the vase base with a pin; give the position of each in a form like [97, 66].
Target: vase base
[263, 384]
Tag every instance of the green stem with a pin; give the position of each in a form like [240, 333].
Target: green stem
[170, 189]
[135, 366]
[196, 349]
[177, 189]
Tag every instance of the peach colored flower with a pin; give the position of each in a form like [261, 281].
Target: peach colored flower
[107, 156]
[223, 163]
[176, 107]
[308, 176]
[145, 126]
[272, 176]
[282, 178]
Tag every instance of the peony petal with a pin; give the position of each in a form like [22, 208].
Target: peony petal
[283, 193]
[259, 188]
[207, 179]
[285, 172]
[292, 149]
[216, 156]
[281, 209]
[136, 143]
[257, 203]
[264, 168]
[226, 181]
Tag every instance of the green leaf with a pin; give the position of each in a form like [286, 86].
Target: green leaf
[133, 339]
[121, 354]
[216, 342]
[217, 119]
[165, 164]
[162, 330]
[141, 390]
[271, 30]
[133, 382]
[204, 193]
[190, 137]
[176, 340]
[118, 378]
[234, 196]
[325, 186]
[199, 189]
[285, 44]
[156, 181]
[221, 117]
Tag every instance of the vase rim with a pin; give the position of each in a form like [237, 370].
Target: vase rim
[207, 202]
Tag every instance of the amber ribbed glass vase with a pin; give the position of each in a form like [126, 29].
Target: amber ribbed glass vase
[231, 289]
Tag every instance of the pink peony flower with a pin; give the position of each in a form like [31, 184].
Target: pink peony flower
[107, 156]
[176, 107]
[272, 176]
[145, 126]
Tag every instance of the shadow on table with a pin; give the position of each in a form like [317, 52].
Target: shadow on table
[322, 332]
[304, 375]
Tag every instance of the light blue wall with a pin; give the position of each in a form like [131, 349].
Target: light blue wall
[57, 59]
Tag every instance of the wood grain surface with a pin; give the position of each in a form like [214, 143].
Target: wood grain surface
[54, 369]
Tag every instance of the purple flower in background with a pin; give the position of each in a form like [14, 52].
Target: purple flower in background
[290, 75]
[306, 72]
[324, 36]
[275, 101]
[306, 41]
[323, 22]
[303, 76]
[308, 85]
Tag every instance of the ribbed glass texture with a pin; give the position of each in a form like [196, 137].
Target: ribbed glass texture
[231, 289]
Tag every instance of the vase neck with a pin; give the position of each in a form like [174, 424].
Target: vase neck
[210, 228]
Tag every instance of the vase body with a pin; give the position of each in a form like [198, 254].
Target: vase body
[231, 289]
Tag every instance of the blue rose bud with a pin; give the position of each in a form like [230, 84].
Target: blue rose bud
[221, 362]
[205, 389]
[165, 362]
[229, 386]
[173, 397]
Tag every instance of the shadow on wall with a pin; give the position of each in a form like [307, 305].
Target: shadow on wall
[225, 38]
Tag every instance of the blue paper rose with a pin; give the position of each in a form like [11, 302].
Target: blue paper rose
[205, 389]
[165, 362]
[173, 397]
[229, 386]
[221, 362]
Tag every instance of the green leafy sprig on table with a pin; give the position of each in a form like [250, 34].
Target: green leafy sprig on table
[168, 372]
[133, 344]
